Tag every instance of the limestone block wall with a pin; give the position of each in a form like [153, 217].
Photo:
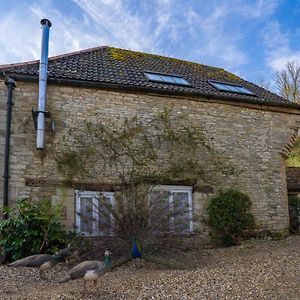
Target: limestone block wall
[251, 138]
[2, 135]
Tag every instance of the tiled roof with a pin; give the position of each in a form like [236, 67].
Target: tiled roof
[125, 69]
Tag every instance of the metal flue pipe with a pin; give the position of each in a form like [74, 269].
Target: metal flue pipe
[40, 134]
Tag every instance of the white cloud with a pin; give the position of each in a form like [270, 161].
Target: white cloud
[102, 22]
[277, 43]
[213, 33]
[118, 22]
[278, 63]
[255, 9]
[20, 37]
[224, 29]
[13, 36]
[67, 33]
[217, 42]
[274, 37]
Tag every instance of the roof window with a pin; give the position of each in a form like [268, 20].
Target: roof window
[232, 88]
[164, 78]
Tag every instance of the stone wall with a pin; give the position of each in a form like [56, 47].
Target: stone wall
[3, 96]
[251, 138]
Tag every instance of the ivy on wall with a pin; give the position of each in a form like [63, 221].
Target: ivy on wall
[157, 148]
[136, 154]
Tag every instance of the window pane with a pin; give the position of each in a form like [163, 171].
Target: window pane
[231, 88]
[244, 90]
[221, 87]
[180, 80]
[104, 214]
[181, 212]
[152, 76]
[160, 212]
[94, 213]
[240, 89]
[166, 78]
[86, 214]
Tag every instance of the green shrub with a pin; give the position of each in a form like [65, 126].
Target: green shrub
[229, 216]
[31, 228]
[294, 157]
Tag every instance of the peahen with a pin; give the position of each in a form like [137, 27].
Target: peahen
[89, 270]
[44, 261]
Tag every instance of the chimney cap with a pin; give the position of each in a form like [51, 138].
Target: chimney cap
[46, 22]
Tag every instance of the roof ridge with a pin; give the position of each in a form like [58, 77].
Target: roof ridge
[29, 62]
[168, 57]
[77, 52]
[51, 58]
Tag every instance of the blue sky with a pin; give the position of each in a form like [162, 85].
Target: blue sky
[251, 38]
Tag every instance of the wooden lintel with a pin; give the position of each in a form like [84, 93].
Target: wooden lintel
[93, 186]
[39, 182]
[206, 189]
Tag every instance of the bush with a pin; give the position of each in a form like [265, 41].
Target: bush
[229, 216]
[31, 228]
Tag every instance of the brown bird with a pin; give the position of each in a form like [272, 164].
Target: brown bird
[89, 270]
[44, 261]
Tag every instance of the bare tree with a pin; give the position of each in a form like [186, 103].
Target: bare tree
[288, 81]
[262, 82]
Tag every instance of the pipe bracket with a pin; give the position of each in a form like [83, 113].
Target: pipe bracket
[35, 114]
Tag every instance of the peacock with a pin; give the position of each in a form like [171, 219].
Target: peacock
[142, 225]
[45, 261]
[89, 270]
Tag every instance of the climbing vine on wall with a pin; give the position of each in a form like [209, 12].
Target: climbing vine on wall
[137, 154]
[156, 148]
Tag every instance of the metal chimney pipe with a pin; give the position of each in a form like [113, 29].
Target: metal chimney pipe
[40, 134]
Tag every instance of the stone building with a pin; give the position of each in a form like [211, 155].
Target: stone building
[251, 126]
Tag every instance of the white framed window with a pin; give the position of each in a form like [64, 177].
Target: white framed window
[179, 200]
[91, 217]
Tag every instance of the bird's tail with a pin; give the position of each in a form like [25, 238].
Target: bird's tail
[18, 263]
[65, 279]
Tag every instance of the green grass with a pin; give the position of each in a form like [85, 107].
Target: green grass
[293, 161]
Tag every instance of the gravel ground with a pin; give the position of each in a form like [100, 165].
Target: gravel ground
[257, 269]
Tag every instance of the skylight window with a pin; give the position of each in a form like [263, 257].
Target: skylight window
[172, 79]
[232, 88]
